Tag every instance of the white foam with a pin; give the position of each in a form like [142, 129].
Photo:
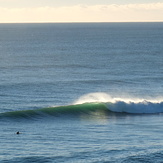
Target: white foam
[127, 105]
[136, 107]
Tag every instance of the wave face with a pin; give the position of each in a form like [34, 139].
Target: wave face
[70, 110]
[93, 108]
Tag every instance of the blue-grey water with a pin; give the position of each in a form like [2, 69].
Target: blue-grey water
[81, 92]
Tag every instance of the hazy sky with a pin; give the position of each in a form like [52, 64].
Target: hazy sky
[80, 10]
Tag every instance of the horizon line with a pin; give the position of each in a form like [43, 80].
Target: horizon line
[44, 22]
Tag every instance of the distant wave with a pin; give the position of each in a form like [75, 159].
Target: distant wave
[93, 108]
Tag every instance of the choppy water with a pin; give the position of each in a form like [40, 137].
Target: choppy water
[85, 92]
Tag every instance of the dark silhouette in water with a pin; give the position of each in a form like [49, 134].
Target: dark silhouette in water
[18, 133]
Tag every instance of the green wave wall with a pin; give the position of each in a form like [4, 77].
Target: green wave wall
[87, 108]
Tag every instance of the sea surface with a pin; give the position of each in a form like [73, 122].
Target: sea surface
[81, 93]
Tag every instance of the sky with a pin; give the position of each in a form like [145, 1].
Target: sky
[20, 11]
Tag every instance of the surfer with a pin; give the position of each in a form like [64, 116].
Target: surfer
[18, 133]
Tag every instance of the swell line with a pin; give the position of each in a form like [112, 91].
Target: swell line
[69, 110]
[107, 108]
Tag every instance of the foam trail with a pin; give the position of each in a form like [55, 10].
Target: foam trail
[133, 107]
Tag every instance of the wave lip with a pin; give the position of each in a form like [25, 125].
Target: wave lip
[144, 107]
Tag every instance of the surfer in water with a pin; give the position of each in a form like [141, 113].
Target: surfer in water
[18, 133]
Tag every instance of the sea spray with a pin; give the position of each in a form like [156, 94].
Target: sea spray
[125, 105]
[94, 97]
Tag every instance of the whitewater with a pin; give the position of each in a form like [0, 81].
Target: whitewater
[124, 105]
[81, 92]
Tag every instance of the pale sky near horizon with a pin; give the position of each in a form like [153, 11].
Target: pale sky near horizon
[81, 11]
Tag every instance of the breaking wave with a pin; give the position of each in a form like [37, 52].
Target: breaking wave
[124, 105]
[90, 104]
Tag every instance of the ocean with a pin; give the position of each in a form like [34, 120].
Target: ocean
[81, 92]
